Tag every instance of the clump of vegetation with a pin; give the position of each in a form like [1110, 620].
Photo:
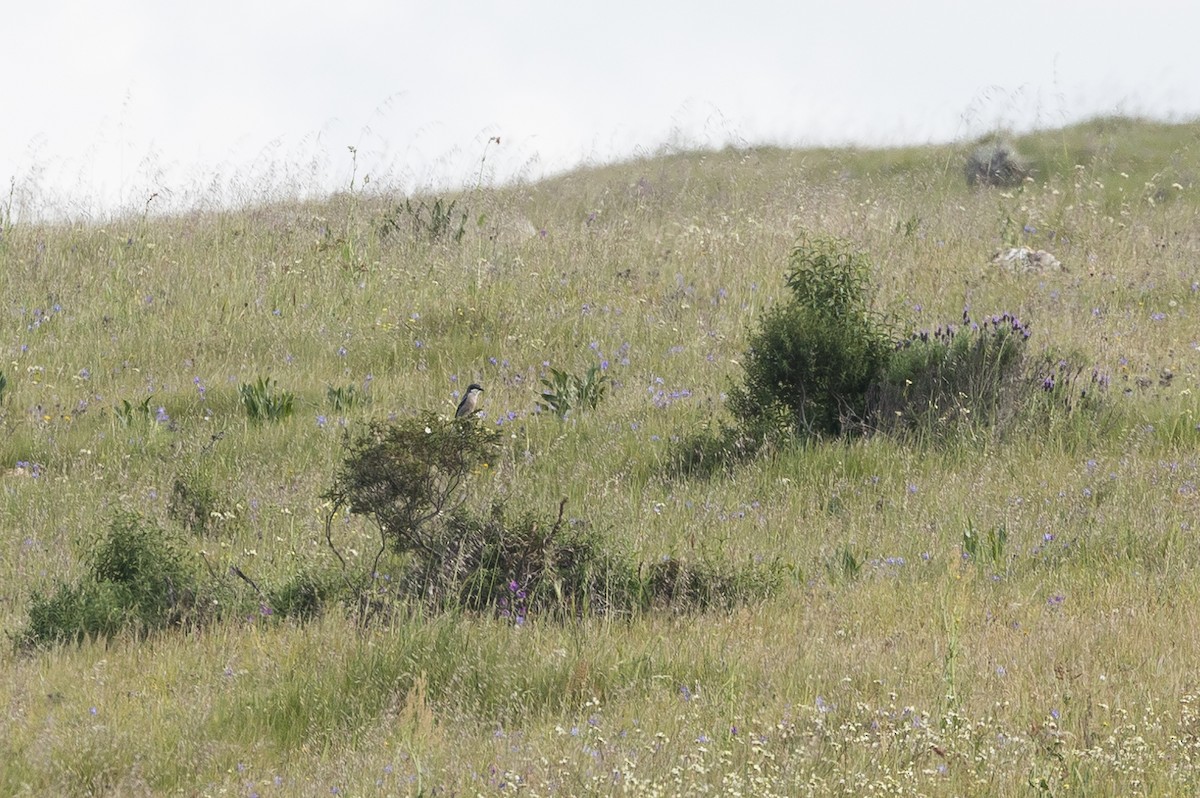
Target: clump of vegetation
[434, 222]
[264, 400]
[968, 374]
[676, 582]
[408, 478]
[304, 594]
[813, 358]
[823, 364]
[130, 412]
[565, 391]
[142, 579]
[995, 164]
[845, 565]
[713, 449]
[980, 375]
[985, 547]
[137, 580]
[345, 398]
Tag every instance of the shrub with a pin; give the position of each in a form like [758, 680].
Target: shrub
[524, 564]
[137, 580]
[982, 375]
[407, 476]
[305, 594]
[812, 359]
[823, 363]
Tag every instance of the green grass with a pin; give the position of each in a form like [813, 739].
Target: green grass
[1056, 661]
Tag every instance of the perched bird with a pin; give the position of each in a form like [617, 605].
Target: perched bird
[470, 401]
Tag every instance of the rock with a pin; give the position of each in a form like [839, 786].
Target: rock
[995, 164]
[1023, 260]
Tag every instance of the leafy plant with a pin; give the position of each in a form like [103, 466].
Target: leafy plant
[265, 401]
[909, 226]
[565, 391]
[435, 222]
[845, 565]
[345, 398]
[829, 277]
[985, 547]
[128, 412]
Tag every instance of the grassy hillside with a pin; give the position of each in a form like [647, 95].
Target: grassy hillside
[1056, 660]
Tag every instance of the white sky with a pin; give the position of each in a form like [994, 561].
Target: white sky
[219, 101]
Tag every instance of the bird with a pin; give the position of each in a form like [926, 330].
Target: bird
[470, 401]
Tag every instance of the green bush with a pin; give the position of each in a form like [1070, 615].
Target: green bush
[407, 477]
[823, 363]
[137, 580]
[528, 564]
[305, 594]
[813, 358]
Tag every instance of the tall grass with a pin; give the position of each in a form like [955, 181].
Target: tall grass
[912, 648]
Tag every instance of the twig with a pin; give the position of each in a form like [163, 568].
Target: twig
[233, 569]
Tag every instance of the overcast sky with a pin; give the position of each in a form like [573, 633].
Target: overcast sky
[220, 101]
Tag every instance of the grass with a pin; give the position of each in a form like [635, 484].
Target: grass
[1050, 663]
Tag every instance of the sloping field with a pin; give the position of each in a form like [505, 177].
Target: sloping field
[981, 614]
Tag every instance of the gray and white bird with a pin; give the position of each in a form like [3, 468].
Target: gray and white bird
[470, 401]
